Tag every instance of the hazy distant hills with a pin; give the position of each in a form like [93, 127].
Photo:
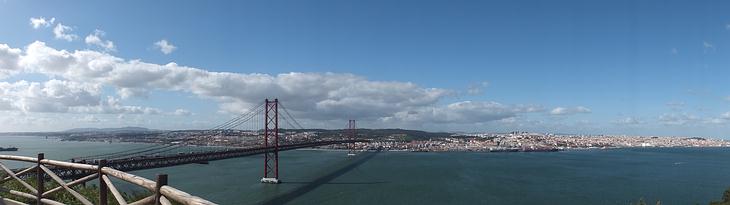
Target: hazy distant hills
[397, 134]
[401, 134]
[120, 129]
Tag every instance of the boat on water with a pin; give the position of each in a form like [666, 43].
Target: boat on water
[8, 149]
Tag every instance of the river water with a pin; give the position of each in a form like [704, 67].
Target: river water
[617, 176]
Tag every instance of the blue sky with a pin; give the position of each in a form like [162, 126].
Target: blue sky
[610, 67]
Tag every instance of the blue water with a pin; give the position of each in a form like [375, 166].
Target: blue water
[620, 176]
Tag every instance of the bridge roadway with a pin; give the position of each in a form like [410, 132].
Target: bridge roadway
[149, 162]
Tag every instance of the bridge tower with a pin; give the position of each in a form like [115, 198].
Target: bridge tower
[271, 138]
[352, 132]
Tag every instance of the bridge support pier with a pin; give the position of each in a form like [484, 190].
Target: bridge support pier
[270, 180]
[271, 132]
[352, 132]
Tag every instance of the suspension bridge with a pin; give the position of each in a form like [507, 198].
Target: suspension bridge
[257, 131]
[259, 128]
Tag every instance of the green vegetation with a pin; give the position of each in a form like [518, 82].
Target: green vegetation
[90, 192]
[725, 199]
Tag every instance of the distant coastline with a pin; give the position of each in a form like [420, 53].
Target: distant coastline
[382, 139]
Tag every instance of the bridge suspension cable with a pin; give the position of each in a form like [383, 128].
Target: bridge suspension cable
[115, 153]
[159, 148]
[286, 111]
[170, 148]
[117, 156]
[240, 119]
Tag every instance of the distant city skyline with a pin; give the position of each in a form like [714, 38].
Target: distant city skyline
[615, 67]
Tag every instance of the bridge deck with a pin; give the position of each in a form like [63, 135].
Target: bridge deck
[140, 163]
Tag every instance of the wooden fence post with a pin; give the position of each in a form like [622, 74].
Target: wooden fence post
[103, 190]
[84, 183]
[40, 179]
[161, 181]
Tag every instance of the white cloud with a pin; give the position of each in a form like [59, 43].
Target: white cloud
[89, 118]
[95, 40]
[726, 116]
[324, 93]
[313, 96]
[59, 96]
[707, 45]
[677, 119]
[41, 22]
[569, 111]
[628, 121]
[126, 93]
[112, 106]
[165, 47]
[51, 96]
[182, 112]
[462, 112]
[13, 120]
[9, 58]
[309, 95]
[715, 121]
[39, 58]
[63, 32]
[477, 89]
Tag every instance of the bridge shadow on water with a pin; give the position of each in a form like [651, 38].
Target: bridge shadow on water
[325, 179]
[379, 182]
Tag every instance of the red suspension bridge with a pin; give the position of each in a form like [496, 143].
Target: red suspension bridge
[259, 130]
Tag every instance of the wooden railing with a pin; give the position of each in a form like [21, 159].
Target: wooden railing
[43, 170]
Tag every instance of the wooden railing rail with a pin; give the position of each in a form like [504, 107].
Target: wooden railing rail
[162, 193]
